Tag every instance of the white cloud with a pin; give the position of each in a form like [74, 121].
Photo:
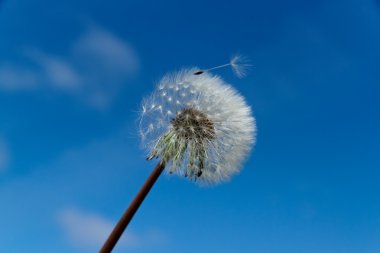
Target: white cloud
[95, 68]
[15, 78]
[105, 49]
[88, 230]
[4, 155]
[56, 72]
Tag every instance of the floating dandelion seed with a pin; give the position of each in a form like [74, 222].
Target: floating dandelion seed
[239, 64]
[198, 126]
[209, 132]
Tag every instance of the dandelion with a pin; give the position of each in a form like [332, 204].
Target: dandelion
[207, 133]
[197, 126]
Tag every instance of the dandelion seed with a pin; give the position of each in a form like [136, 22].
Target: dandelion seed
[143, 110]
[239, 64]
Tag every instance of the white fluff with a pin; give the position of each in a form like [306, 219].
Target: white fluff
[233, 133]
[240, 65]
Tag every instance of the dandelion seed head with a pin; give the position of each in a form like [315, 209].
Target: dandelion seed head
[207, 134]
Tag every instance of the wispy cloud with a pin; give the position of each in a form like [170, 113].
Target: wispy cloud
[89, 230]
[16, 78]
[4, 155]
[55, 71]
[94, 69]
[106, 51]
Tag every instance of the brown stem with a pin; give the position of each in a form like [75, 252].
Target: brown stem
[128, 214]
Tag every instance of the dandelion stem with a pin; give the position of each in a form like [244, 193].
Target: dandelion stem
[129, 213]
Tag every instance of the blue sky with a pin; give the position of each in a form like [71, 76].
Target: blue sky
[73, 73]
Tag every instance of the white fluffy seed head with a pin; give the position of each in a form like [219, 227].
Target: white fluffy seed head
[204, 131]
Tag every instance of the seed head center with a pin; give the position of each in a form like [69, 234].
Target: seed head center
[192, 124]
